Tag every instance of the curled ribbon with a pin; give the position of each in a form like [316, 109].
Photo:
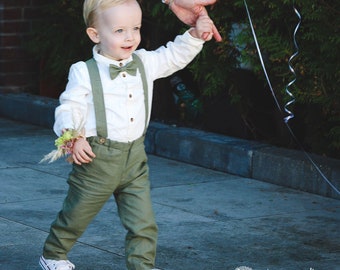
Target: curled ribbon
[290, 114]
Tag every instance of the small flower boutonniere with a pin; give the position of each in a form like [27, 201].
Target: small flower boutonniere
[64, 145]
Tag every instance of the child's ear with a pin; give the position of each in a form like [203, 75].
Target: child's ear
[93, 34]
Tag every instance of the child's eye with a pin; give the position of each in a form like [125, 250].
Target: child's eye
[119, 31]
[137, 28]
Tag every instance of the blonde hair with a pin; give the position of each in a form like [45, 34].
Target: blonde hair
[91, 8]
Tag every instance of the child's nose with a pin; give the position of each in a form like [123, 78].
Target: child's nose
[129, 35]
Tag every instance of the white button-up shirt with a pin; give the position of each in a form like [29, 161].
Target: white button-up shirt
[123, 96]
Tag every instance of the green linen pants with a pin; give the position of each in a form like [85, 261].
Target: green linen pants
[120, 169]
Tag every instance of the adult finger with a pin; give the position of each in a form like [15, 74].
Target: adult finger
[216, 34]
[204, 2]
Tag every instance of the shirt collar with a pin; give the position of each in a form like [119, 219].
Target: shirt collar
[107, 61]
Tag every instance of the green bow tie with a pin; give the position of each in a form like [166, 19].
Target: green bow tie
[130, 68]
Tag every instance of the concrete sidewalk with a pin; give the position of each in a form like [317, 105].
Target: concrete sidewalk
[251, 159]
[207, 219]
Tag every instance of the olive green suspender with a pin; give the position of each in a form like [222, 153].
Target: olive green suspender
[98, 97]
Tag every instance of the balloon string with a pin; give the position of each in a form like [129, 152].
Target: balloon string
[260, 56]
[290, 114]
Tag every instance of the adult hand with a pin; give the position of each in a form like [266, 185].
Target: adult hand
[189, 10]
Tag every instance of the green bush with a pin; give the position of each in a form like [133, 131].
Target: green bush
[61, 40]
[317, 67]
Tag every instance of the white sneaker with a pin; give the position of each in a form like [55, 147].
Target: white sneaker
[55, 265]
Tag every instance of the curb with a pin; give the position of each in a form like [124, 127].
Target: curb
[284, 167]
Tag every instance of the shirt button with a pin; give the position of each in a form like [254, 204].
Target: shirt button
[120, 64]
[130, 95]
[131, 119]
[124, 75]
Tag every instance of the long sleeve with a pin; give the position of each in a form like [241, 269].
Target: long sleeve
[168, 59]
[124, 98]
[74, 101]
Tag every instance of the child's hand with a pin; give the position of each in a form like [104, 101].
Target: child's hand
[82, 152]
[203, 28]
[189, 10]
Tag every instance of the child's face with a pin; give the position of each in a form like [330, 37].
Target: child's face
[118, 30]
